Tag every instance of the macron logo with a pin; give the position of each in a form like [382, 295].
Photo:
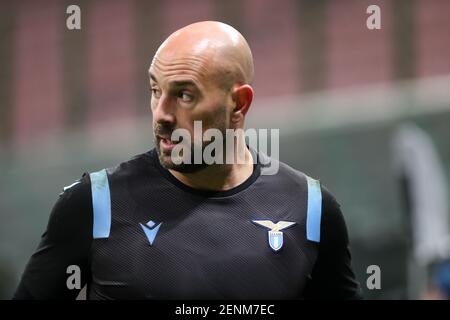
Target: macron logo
[150, 229]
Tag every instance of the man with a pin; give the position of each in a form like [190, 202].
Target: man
[153, 228]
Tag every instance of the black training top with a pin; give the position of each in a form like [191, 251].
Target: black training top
[165, 240]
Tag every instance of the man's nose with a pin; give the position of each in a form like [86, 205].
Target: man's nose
[163, 112]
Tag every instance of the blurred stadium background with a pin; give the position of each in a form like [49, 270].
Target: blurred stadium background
[363, 110]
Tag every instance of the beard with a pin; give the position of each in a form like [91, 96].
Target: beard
[165, 158]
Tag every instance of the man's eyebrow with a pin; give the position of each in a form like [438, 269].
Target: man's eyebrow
[177, 83]
[181, 83]
[153, 77]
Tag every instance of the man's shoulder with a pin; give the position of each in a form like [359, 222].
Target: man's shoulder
[77, 188]
[71, 214]
[136, 165]
[286, 173]
[279, 170]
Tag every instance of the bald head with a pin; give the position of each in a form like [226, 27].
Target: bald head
[201, 73]
[217, 49]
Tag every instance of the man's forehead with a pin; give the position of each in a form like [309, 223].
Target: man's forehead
[188, 67]
[193, 61]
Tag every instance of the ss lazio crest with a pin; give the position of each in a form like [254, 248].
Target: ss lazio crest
[275, 236]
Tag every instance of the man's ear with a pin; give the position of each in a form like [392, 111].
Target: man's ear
[242, 96]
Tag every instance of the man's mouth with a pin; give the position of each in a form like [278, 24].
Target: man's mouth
[166, 143]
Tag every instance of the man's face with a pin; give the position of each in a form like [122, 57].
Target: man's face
[185, 89]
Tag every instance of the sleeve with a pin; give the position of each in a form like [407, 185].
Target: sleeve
[65, 242]
[332, 276]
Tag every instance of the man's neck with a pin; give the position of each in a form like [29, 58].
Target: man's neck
[218, 177]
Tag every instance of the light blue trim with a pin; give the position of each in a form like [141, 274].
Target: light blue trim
[314, 210]
[101, 204]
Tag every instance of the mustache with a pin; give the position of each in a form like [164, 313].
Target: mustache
[164, 129]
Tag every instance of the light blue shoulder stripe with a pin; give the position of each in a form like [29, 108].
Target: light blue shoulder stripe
[101, 204]
[314, 211]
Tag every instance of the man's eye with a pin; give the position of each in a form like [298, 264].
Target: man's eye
[185, 97]
[156, 92]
